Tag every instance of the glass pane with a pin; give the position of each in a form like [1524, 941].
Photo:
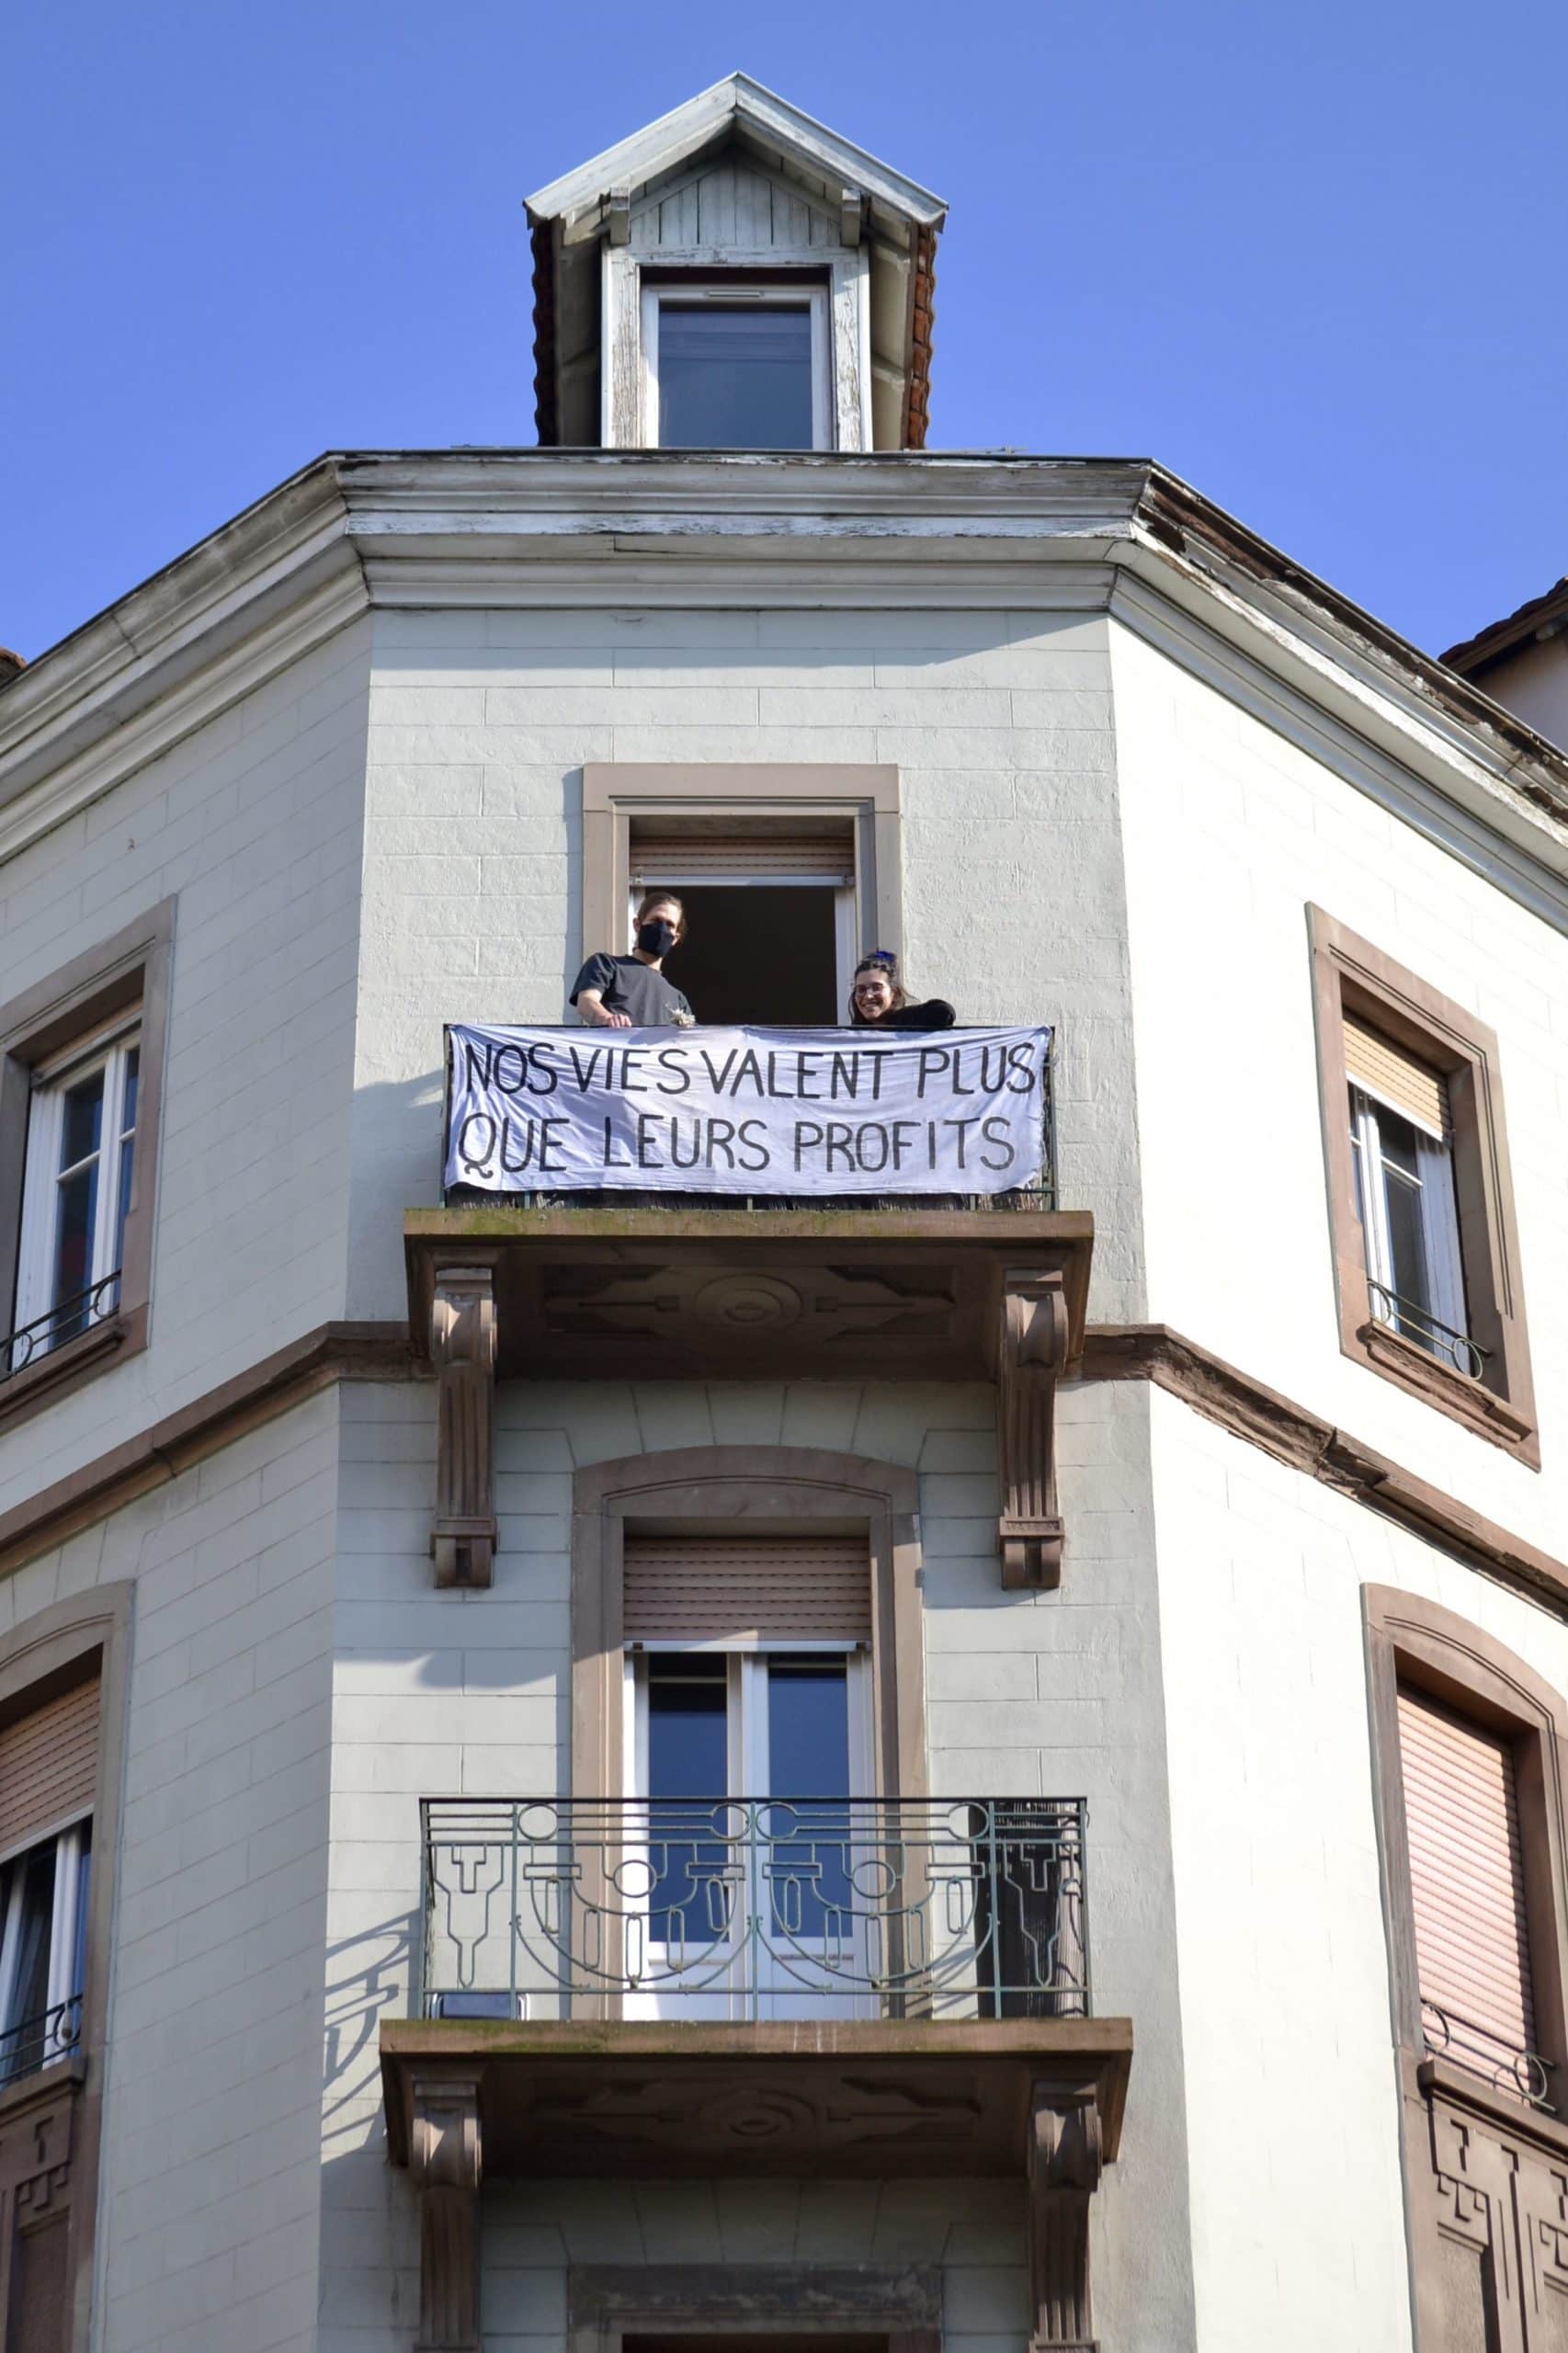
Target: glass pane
[132, 1080]
[77, 1209]
[83, 1122]
[808, 1858]
[27, 1897]
[687, 1783]
[735, 379]
[1409, 1266]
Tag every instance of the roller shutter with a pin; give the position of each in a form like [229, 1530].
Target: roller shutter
[769, 1588]
[1391, 1075]
[1466, 1870]
[822, 856]
[49, 1761]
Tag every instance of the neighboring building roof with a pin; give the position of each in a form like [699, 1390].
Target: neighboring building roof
[1530, 620]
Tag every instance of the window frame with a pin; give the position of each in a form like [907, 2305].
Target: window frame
[1420, 1644]
[44, 1030]
[614, 793]
[738, 290]
[51, 1652]
[1350, 975]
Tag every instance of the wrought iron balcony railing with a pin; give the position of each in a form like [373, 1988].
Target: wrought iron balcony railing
[754, 1908]
[37, 2043]
[59, 1324]
[1441, 1340]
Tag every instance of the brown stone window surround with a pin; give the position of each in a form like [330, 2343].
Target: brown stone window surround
[1350, 976]
[614, 793]
[131, 968]
[50, 2122]
[777, 2307]
[764, 1489]
[1483, 2168]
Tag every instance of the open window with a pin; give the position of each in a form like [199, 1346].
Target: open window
[771, 907]
[1421, 1211]
[81, 1069]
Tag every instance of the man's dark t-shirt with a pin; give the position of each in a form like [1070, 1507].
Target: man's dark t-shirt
[625, 984]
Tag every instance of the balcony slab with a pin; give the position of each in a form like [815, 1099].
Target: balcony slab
[883, 2097]
[689, 1293]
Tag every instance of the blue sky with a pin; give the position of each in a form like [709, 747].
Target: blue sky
[1309, 259]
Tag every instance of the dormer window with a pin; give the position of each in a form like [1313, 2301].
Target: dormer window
[729, 365]
[733, 277]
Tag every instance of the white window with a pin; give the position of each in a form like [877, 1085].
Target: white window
[43, 1920]
[747, 1764]
[737, 366]
[75, 1191]
[1405, 1200]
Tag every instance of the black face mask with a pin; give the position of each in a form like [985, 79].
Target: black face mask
[656, 938]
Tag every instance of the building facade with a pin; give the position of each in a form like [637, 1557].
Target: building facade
[625, 1768]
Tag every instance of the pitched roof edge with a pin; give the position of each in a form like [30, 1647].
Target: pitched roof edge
[1500, 637]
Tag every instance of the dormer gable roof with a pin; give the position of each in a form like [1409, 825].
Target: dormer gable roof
[792, 168]
[741, 112]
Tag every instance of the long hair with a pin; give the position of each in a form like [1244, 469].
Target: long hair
[661, 899]
[880, 960]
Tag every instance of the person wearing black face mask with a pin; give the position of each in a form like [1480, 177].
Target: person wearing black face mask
[631, 992]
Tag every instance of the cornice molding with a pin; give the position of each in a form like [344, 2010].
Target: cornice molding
[588, 528]
[1221, 1393]
[1249, 1409]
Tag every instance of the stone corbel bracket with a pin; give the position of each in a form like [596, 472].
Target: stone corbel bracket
[1032, 1354]
[444, 2159]
[462, 1349]
[1063, 2161]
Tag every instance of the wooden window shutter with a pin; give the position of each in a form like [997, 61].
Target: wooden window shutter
[48, 1764]
[766, 1589]
[821, 856]
[1392, 1076]
[1466, 1870]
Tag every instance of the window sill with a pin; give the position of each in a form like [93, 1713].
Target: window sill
[1439, 2078]
[1453, 1393]
[73, 1362]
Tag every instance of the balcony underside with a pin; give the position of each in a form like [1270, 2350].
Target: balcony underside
[608, 1294]
[883, 2097]
[601, 1293]
[1039, 2101]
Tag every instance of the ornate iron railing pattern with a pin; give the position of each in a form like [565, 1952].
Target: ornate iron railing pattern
[1041, 1195]
[754, 1908]
[59, 1324]
[1438, 1338]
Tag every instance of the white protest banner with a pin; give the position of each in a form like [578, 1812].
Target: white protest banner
[795, 1112]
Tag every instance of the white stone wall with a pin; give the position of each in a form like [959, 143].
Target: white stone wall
[1000, 725]
[211, 2166]
[254, 824]
[1231, 830]
[450, 1694]
[1298, 2223]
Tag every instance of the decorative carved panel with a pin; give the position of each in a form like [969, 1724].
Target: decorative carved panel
[37, 2134]
[1492, 2265]
[684, 1306]
[462, 1349]
[1030, 1356]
